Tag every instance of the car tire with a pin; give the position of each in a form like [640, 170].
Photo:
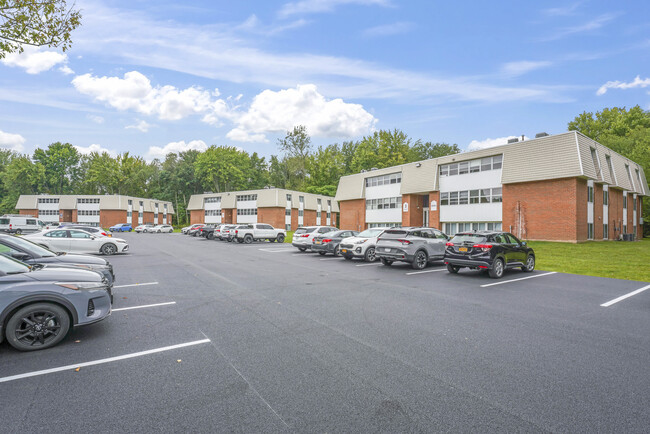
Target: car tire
[248, 239]
[109, 249]
[240, 241]
[530, 264]
[54, 319]
[337, 251]
[370, 255]
[386, 262]
[496, 272]
[210, 236]
[19, 231]
[452, 269]
[280, 238]
[130, 230]
[302, 249]
[321, 253]
[420, 260]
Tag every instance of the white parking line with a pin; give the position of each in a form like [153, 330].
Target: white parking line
[144, 305]
[516, 280]
[368, 265]
[136, 284]
[623, 297]
[330, 259]
[101, 361]
[426, 271]
[280, 250]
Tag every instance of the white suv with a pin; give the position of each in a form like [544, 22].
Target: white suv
[303, 238]
[362, 245]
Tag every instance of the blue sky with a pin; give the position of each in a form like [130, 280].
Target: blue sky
[151, 77]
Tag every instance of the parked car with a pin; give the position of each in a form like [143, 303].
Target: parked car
[38, 305]
[162, 229]
[78, 241]
[207, 231]
[195, 230]
[91, 229]
[417, 246]
[186, 229]
[226, 234]
[30, 253]
[143, 228]
[329, 242]
[493, 251]
[121, 227]
[303, 237]
[362, 245]
[219, 232]
[20, 224]
[259, 231]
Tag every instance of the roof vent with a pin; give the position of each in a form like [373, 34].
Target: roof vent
[538, 135]
[207, 192]
[363, 170]
[374, 168]
[515, 140]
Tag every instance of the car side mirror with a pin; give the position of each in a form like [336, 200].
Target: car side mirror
[92, 237]
[20, 256]
[523, 243]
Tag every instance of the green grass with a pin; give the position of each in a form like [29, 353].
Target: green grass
[615, 259]
[289, 237]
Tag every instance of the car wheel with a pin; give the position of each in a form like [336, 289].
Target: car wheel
[210, 236]
[37, 326]
[371, 255]
[530, 264]
[144, 231]
[18, 231]
[302, 249]
[387, 262]
[109, 249]
[240, 241]
[337, 251]
[280, 238]
[420, 260]
[248, 239]
[496, 272]
[321, 253]
[130, 230]
[452, 269]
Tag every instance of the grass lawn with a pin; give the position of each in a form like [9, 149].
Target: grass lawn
[289, 237]
[616, 259]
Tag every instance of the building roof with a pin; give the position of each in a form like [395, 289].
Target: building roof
[106, 202]
[551, 157]
[266, 197]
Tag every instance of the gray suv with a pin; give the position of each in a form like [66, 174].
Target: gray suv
[417, 246]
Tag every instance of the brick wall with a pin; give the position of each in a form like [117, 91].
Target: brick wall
[414, 215]
[32, 212]
[309, 217]
[73, 216]
[294, 219]
[67, 215]
[273, 216]
[111, 217]
[353, 215]
[196, 216]
[147, 217]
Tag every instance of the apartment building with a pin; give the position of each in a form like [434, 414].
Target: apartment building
[96, 210]
[278, 207]
[564, 187]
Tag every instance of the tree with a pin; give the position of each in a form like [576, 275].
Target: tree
[61, 162]
[36, 23]
[223, 168]
[297, 147]
[428, 150]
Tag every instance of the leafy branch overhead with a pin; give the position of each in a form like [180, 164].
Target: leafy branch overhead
[37, 23]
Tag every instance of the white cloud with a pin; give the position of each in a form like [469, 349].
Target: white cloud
[319, 6]
[176, 147]
[11, 141]
[272, 112]
[135, 92]
[33, 60]
[488, 143]
[388, 29]
[562, 11]
[637, 82]
[87, 150]
[254, 25]
[594, 24]
[140, 125]
[96, 119]
[66, 70]
[515, 69]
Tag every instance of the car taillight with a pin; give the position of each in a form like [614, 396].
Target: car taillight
[484, 247]
[405, 242]
[327, 240]
[449, 244]
[236, 232]
[303, 236]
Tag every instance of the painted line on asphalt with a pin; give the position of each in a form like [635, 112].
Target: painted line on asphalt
[516, 280]
[136, 284]
[329, 259]
[101, 361]
[144, 305]
[278, 250]
[368, 265]
[623, 297]
[426, 271]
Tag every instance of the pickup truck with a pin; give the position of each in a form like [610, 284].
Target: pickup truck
[258, 231]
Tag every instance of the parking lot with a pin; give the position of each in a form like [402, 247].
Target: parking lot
[211, 336]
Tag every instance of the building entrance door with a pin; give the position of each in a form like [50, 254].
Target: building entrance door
[425, 211]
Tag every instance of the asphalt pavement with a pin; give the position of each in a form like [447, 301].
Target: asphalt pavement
[208, 336]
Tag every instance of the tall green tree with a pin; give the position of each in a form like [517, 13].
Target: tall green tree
[296, 146]
[61, 163]
[223, 168]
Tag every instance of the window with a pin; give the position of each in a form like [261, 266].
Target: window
[329, 203]
[608, 159]
[453, 169]
[638, 180]
[212, 212]
[318, 201]
[129, 214]
[462, 197]
[590, 194]
[141, 204]
[246, 211]
[486, 163]
[88, 212]
[485, 195]
[594, 159]
[629, 176]
[301, 213]
[393, 178]
[301, 199]
[625, 229]
[444, 199]
[634, 202]
[590, 231]
[208, 200]
[287, 227]
[496, 195]
[453, 198]
[48, 200]
[444, 170]
[246, 197]
[496, 162]
[605, 197]
[463, 167]
[57, 234]
[474, 166]
[287, 212]
[130, 202]
[30, 221]
[288, 197]
[48, 212]
[79, 234]
[605, 231]
[473, 196]
[384, 203]
[87, 200]
[624, 201]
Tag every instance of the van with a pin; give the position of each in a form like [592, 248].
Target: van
[20, 224]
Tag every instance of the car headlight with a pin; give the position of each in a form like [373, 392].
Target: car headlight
[79, 286]
[360, 241]
[120, 241]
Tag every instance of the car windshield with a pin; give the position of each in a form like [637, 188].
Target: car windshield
[305, 230]
[469, 239]
[369, 233]
[11, 266]
[32, 248]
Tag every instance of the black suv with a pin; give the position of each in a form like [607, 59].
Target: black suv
[488, 250]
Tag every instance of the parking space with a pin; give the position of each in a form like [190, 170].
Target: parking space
[215, 336]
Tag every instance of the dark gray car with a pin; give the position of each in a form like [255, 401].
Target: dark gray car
[39, 305]
[330, 242]
[417, 246]
[31, 253]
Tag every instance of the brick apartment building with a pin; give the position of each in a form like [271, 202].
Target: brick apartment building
[278, 207]
[565, 187]
[96, 210]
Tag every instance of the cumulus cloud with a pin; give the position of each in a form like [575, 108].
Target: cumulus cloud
[320, 6]
[140, 125]
[515, 69]
[488, 143]
[87, 150]
[135, 92]
[272, 112]
[637, 82]
[13, 142]
[33, 60]
[176, 147]
[96, 119]
[66, 70]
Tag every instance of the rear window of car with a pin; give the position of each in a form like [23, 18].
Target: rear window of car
[4, 221]
[469, 238]
[304, 230]
[394, 234]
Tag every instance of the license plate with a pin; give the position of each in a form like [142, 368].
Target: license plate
[462, 249]
[386, 249]
[344, 250]
[317, 242]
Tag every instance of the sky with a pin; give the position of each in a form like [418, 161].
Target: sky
[156, 77]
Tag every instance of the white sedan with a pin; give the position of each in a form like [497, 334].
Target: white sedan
[78, 241]
[162, 228]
